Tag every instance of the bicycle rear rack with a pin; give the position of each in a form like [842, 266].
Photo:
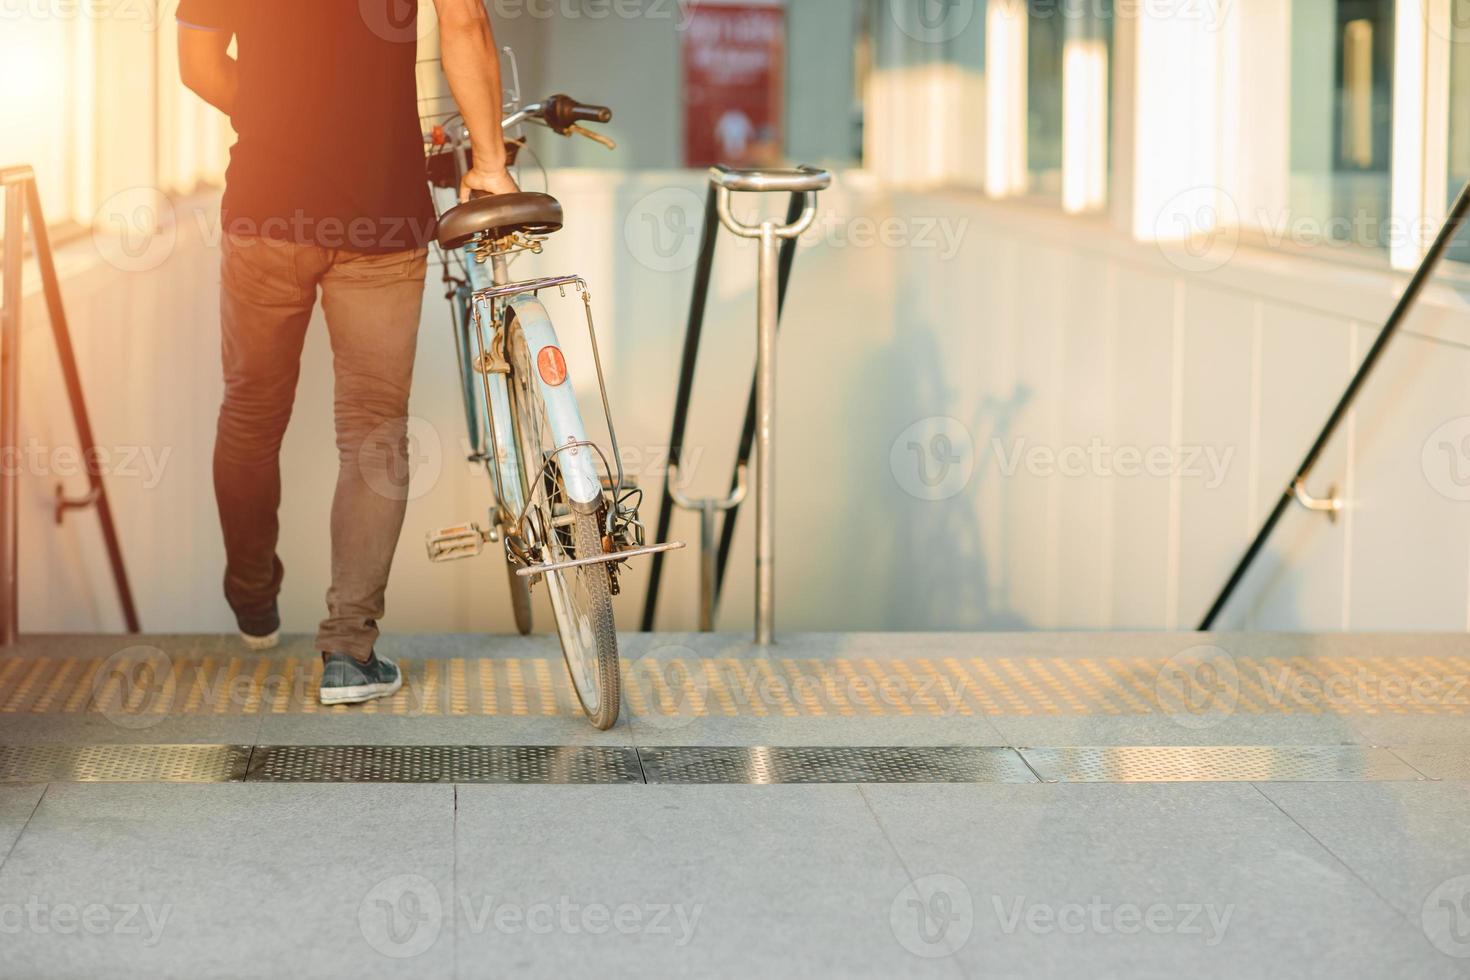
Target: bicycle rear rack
[22, 200]
[622, 524]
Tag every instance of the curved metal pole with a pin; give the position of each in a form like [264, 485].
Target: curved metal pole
[747, 431]
[770, 234]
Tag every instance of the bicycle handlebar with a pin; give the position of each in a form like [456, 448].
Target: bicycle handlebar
[562, 112]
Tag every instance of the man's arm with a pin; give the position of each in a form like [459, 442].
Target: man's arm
[205, 66]
[472, 66]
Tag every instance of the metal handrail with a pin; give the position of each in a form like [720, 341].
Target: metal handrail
[722, 181]
[22, 200]
[802, 180]
[1295, 487]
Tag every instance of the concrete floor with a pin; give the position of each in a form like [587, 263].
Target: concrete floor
[1270, 878]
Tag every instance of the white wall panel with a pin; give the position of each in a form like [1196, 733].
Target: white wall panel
[1306, 360]
[1411, 521]
[1214, 465]
[1021, 325]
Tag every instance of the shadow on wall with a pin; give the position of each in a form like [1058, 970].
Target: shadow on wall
[931, 529]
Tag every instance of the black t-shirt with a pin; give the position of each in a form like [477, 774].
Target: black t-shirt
[330, 152]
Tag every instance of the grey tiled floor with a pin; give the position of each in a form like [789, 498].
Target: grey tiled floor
[1143, 880]
[217, 879]
[1338, 880]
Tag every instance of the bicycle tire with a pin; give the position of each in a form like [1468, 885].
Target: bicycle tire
[581, 598]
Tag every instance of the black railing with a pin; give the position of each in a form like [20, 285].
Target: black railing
[1401, 311]
[23, 200]
[692, 334]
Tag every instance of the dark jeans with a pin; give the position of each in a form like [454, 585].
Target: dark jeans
[372, 305]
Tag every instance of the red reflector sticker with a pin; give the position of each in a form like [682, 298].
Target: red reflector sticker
[552, 365]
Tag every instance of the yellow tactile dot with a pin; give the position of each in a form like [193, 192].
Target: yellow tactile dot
[966, 686]
[1250, 677]
[545, 690]
[804, 688]
[950, 691]
[633, 689]
[285, 692]
[717, 687]
[1027, 686]
[691, 698]
[9, 667]
[489, 700]
[56, 686]
[769, 686]
[459, 692]
[1287, 686]
[224, 684]
[517, 685]
[860, 687]
[77, 701]
[257, 686]
[310, 699]
[22, 689]
[919, 693]
[832, 687]
[1118, 691]
[107, 693]
[1452, 685]
[1077, 682]
[1128, 678]
[989, 677]
[660, 695]
[887, 690]
[1066, 692]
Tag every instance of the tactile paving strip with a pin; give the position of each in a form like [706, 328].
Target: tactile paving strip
[535, 764]
[142, 682]
[1218, 763]
[822, 764]
[123, 763]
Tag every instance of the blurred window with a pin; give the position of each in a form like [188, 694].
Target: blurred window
[1342, 65]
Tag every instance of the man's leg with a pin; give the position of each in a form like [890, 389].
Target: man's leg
[373, 304]
[268, 291]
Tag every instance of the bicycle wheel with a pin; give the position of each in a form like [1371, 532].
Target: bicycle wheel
[581, 597]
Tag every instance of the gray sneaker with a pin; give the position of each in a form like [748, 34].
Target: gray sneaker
[347, 680]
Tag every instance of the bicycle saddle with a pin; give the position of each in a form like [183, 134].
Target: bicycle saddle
[497, 215]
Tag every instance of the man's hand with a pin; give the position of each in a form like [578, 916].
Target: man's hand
[498, 181]
[472, 67]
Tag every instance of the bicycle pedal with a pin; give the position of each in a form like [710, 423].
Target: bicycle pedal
[454, 543]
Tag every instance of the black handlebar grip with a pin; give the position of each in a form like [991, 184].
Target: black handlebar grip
[562, 112]
[592, 113]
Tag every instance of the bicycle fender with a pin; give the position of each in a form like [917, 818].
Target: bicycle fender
[578, 464]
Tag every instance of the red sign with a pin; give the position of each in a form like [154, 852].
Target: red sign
[734, 74]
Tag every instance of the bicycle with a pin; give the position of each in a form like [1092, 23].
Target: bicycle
[562, 513]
